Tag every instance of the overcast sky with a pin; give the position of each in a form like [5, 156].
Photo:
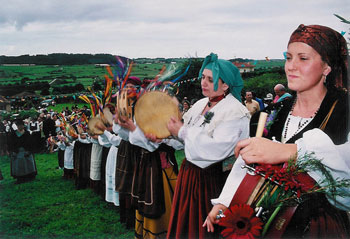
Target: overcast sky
[161, 28]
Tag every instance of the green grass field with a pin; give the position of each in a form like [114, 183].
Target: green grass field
[51, 207]
[84, 74]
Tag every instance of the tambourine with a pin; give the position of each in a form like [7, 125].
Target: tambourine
[92, 126]
[124, 104]
[153, 111]
[107, 117]
[71, 131]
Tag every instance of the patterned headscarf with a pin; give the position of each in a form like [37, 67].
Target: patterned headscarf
[225, 71]
[331, 45]
[133, 80]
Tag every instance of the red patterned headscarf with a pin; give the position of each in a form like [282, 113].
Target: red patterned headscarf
[331, 45]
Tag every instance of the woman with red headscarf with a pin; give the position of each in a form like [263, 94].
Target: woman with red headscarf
[316, 70]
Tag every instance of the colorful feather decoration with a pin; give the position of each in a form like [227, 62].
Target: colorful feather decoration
[164, 78]
[108, 68]
[129, 67]
[87, 100]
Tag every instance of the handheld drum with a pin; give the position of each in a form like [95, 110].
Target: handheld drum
[124, 104]
[153, 111]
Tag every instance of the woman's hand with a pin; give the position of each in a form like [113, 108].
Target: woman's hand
[126, 123]
[262, 150]
[174, 126]
[153, 138]
[95, 136]
[115, 116]
[100, 126]
[211, 218]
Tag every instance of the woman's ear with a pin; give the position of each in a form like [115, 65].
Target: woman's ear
[225, 87]
[327, 69]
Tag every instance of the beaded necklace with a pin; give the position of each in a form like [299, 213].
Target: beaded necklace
[301, 125]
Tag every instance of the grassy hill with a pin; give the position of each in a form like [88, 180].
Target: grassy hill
[51, 207]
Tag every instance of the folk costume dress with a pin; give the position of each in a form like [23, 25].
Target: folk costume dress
[316, 217]
[95, 165]
[207, 143]
[153, 184]
[82, 159]
[23, 166]
[106, 146]
[68, 170]
[34, 130]
[113, 140]
[125, 164]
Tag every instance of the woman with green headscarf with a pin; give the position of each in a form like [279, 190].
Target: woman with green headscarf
[211, 129]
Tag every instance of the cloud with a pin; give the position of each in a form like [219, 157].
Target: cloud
[158, 28]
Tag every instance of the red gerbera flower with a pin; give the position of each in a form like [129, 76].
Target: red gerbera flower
[240, 222]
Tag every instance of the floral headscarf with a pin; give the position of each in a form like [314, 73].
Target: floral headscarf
[331, 45]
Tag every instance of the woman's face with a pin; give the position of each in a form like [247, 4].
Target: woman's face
[207, 85]
[304, 68]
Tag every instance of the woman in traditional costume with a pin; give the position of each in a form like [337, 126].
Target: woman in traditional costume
[125, 167]
[95, 164]
[23, 167]
[316, 69]
[211, 129]
[108, 139]
[68, 170]
[153, 181]
[82, 160]
[34, 130]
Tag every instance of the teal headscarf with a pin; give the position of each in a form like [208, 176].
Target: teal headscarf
[225, 71]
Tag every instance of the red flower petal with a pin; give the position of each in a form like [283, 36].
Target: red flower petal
[240, 222]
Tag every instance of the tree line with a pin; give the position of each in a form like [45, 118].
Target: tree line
[59, 59]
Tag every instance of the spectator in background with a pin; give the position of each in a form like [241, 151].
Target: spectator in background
[3, 138]
[58, 123]
[185, 106]
[34, 130]
[281, 93]
[260, 101]
[49, 128]
[252, 105]
[86, 111]
[268, 100]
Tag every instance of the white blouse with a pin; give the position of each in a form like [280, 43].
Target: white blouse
[107, 139]
[207, 143]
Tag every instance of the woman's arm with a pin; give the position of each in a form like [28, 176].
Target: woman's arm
[262, 150]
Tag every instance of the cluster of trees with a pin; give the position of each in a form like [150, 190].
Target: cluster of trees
[77, 59]
[59, 59]
[13, 89]
[68, 89]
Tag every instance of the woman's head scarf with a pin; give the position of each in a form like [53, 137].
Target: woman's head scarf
[225, 71]
[133, 80]
[331, 45]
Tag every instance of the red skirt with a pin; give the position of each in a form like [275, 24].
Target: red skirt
[191, 203]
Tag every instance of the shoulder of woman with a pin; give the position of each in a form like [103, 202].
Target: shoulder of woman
[200, 103]
[231, 107]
